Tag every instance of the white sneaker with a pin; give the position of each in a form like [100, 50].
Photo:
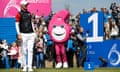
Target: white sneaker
[59, 65]
[30, 70]
[24, 69]
[65, 65]
[34, 67]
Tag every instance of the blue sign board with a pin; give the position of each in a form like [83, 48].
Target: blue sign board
[7, 29]
[93, 23]
[104, 53]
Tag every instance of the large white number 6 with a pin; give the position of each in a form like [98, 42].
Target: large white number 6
[95, 38]
[113, 50]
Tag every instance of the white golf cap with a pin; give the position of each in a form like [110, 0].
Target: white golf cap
[23, 2]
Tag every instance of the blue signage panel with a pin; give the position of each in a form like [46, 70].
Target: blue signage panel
[7, 29]
[104, 53]
[93, 25]
[112, 52]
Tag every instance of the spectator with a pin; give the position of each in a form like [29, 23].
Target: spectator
[1, 49]
[48, 18]
[81, 46]
[114, 30]
[70, 52]
[76, 43]
[43, 25]
[107, 34]
[39, 51]
[93, 10]
[70, 44]
[107, 15]
[50, 51]
[14, 54]
[5, 57]
[113, 7]
[118, 18]
[84, 11]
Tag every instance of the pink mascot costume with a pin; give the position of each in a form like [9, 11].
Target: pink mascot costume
[59, 32]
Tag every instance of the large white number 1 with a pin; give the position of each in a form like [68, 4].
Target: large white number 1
[95, 38]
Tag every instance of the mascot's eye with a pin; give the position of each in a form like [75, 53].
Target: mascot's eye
[62, 26]
[54, 26]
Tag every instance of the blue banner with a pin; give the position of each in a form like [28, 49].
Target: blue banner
[93, 25]
[7, 29]
[104, 53]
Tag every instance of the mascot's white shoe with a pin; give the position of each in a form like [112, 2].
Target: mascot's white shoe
[65, 65]
[59, 65]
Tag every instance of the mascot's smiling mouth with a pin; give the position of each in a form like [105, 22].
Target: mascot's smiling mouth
[59, 34]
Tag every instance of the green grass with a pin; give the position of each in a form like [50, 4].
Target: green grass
[65, 70]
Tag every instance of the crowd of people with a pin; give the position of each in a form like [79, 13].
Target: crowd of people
[43, 47]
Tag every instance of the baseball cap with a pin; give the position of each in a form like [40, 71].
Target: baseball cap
[23, 2]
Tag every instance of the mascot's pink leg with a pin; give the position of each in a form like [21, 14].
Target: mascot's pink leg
[61, 49]
[58, 58]
[63, 52]
[57, 49]
[64, 58]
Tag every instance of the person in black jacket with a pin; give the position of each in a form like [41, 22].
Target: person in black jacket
[24, 28]
[80, 47]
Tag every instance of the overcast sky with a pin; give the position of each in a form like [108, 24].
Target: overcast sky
[77, 5]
